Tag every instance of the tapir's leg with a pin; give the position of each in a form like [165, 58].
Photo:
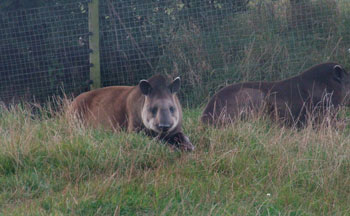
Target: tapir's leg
[181, 141]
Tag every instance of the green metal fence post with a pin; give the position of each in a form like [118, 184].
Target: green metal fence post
[94, 43]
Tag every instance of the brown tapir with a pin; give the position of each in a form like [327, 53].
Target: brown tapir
[316, 90]
[151, 106]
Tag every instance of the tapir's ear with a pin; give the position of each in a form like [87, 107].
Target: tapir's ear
[145, 87]
[338, 73]
[175, 85]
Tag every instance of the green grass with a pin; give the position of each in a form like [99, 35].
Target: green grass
[51, 166]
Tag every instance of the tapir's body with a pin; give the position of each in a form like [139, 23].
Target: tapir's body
[151, 106]
[319, 88]
[104, 107]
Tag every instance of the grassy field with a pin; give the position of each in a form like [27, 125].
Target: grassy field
[50, 166]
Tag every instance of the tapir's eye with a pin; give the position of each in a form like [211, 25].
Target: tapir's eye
[154, 111]
[172, 109]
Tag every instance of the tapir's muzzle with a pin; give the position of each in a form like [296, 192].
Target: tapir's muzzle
[164, 127]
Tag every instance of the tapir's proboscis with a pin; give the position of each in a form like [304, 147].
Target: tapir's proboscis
[321, 88]
[151, 106]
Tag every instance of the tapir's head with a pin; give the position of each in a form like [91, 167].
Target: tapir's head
[341, 78]
[161, 111]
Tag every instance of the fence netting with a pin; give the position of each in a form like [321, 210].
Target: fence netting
[43, 52]
[209, 44]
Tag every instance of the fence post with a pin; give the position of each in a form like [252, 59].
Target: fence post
[94, 44]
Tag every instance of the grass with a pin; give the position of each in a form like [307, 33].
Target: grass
[50, 166]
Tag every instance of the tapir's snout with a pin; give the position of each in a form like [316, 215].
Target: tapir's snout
[164, 127]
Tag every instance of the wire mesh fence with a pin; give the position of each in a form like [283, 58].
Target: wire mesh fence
[209, 44]
[43, 51]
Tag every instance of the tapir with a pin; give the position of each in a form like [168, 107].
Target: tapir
[321, 88]
[151, 106]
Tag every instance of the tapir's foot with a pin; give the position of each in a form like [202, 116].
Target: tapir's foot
[182, 142]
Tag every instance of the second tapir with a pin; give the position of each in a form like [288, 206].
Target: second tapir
[312, 93]
[151, 106]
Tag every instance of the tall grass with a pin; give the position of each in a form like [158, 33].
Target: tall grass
[254, 167]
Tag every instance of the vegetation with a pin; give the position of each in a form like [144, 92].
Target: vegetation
[49, 165]
[208, 43]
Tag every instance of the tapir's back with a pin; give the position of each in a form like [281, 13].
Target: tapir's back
[104, 106]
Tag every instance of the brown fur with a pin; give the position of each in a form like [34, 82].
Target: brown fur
[118, 107]
[321, 87]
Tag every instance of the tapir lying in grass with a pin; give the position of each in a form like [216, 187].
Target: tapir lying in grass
[151, 106]
[320, 89]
